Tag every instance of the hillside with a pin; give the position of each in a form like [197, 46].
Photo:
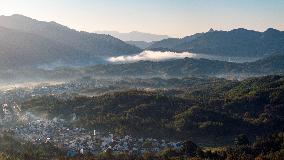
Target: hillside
[20, 49]
[236, 43]
[91, 43]
[254, 105]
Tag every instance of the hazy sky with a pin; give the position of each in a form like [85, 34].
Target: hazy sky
[171, 17]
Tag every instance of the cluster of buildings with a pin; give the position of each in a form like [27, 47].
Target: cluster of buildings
[9, 112]
[80, 140]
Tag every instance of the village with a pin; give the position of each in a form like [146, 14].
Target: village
[57, 132]
[35, 129]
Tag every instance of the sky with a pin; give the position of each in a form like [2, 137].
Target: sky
[176, 18]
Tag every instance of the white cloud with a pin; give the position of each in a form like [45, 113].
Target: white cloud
[151, 56]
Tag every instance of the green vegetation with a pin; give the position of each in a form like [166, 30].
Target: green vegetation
[210, 113]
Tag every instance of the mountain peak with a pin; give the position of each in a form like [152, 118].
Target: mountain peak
[239, 30]
[272, 30]
[211, 30]
[19, 16]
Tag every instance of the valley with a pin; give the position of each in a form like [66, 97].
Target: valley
[141, 80]
[164, 112]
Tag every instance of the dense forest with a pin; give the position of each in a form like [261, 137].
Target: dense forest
[206, 112]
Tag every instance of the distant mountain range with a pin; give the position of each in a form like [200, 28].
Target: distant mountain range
[135, 36]
[238, 42]
[27, 40]
[140, 44]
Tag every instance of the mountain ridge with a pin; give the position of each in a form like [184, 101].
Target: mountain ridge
[140, 44]
[95, 44]
[236, 42]
[36, 50]
[135, 36]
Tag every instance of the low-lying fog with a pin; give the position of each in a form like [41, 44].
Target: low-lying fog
[143, 56]
[161, 56]
[148, 56]
[9, 86]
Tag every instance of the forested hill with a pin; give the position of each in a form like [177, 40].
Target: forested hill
[187, 67]
[238, 42]
[207, 113]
